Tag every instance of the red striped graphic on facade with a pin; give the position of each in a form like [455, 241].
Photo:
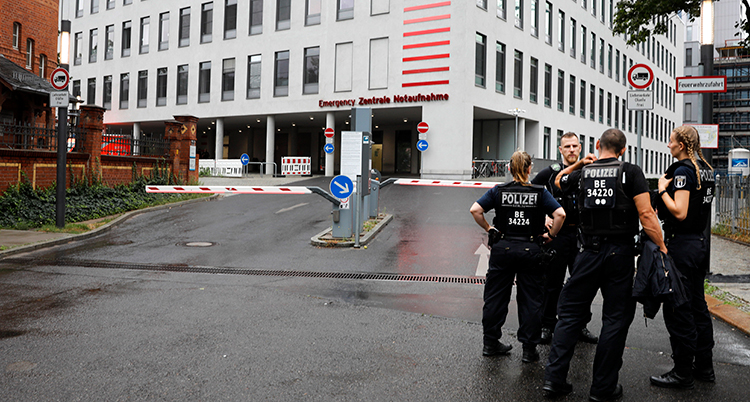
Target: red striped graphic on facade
[427, 44]
[427, 31]
[425, 70]
[424, 83]
[427, 19]
[426, 6]
[428, 57]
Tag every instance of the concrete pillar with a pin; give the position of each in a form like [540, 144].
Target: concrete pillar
[330, 123]
[270, 143]
[136, 138]
[521, 134]
[219, 149]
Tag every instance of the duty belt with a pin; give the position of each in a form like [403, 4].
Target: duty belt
[518, 238]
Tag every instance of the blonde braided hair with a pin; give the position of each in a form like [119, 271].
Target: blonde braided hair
[519, 166]
[688, 135]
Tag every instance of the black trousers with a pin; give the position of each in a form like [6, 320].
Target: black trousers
[610, 269]
[509, 261]
[689, 326]
[566, 248]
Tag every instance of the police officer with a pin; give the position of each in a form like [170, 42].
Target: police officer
[520, 211]
[685, 194]
[612, 197]
[566, 242]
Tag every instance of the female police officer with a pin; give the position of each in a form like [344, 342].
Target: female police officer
[520, 210]
[685, 194]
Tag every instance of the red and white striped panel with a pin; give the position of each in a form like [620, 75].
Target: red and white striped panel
[446, 183]
[299, 165]
[229, 190]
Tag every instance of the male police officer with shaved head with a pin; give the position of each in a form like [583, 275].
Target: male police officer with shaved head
[612, 196]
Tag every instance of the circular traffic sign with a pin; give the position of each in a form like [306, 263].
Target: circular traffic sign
[328, 133]
[422, 127]
[341, 187]
[328, 148]
[640, 76]
[59, 78]
[422, 145]
[245, 159]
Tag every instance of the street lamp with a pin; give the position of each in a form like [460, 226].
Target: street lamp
[62, 130]
[516, 112]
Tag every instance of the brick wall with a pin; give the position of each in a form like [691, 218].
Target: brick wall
[38, 20]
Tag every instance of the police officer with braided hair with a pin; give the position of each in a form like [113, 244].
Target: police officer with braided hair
[612, 196]
[685, 194]
[520, 212]
[566, 242]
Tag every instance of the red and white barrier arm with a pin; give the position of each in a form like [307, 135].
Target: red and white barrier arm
[229, 190]
[446, 183]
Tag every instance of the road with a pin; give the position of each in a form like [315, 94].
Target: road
[131, 314]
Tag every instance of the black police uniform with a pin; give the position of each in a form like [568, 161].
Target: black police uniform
[519, 217]
[689, 326]
[609, 221]
[565, 244]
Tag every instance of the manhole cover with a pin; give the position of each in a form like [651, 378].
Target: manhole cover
[198, 244]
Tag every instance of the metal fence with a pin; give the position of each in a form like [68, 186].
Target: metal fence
[489, 168]
[123, 144]
[732, 203]
[36, 137]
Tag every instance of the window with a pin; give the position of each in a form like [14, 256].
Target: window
[164, 31]
[519, 13]
[592, 102]
[601, 14]
[161, 86]
[182, 84]
[145, 23]
[482, 4]
[93, 39]
[601, 55]
[533, 79]
[689, 33]
[547, 140]
[561, 31]
[79, 8]
[253, 76]
[91, 92]
[601, 106]
[572, 95]
[624, 69]
[584, 45]
[107, 89]
[593, 7]
[184, 33]
[582, 101]
[617, 65]
[593, 50]
[204, 82]
[256, 17]
[312, 65]
[344, 10]
[283, 14]
[548, 23]
[110, 4]
[124, 90]
[281, 74]
[142, 88]
[622, 127]
[560, 90]
[227, 79]
[535, 17]
[230, 19]
[126, 30]
[547, 85]
[502, 8]
[499, 67]
[312, 12]
[617, 111]
[688, 57]
[126, 2]
[573, 32]
[42, 65]
[207, 22]
[16, 35]
[559, 143]
[688, 111]
[517, 74]
[94, 6]
[609, 61]
[109, 42]
[77, 88]
[480, 58]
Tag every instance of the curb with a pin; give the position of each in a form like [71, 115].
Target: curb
[729, 314]
[319, 242]
[97, 231]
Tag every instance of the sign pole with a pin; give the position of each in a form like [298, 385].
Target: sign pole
[59, 79]
[639, 130]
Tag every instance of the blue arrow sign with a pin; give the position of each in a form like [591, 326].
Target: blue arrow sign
[328, 148]
[422, 145]
[341, 187]
[244, 159]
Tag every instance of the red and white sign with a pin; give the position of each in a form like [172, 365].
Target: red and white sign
[295, 165]
[422, 127]
[328, 133]
[717, 83]
[59, 78]
[640, 76]
[228, 190]
[445, 183]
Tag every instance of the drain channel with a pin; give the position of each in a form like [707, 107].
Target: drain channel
[245, 271]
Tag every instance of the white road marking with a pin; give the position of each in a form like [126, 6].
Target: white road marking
[290, 208]
[484, 260]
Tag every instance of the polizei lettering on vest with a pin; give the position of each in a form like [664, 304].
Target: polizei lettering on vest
[600, 173]
[523, 199]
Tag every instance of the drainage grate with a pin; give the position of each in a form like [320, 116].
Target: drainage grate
[245, 271]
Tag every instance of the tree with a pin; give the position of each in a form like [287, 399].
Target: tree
[744, 26]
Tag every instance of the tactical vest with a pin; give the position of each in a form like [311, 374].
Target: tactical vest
[604, 208]
[566, 200]
[699, 205]
[518, 210]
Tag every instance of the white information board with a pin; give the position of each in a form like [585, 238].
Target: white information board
[351, 154]
[709, 135]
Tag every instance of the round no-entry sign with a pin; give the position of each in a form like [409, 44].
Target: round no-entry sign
[59, 78]
[328, 133]
[640, 76]
[422, 127]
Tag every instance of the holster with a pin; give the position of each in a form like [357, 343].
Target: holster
[493, 237]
